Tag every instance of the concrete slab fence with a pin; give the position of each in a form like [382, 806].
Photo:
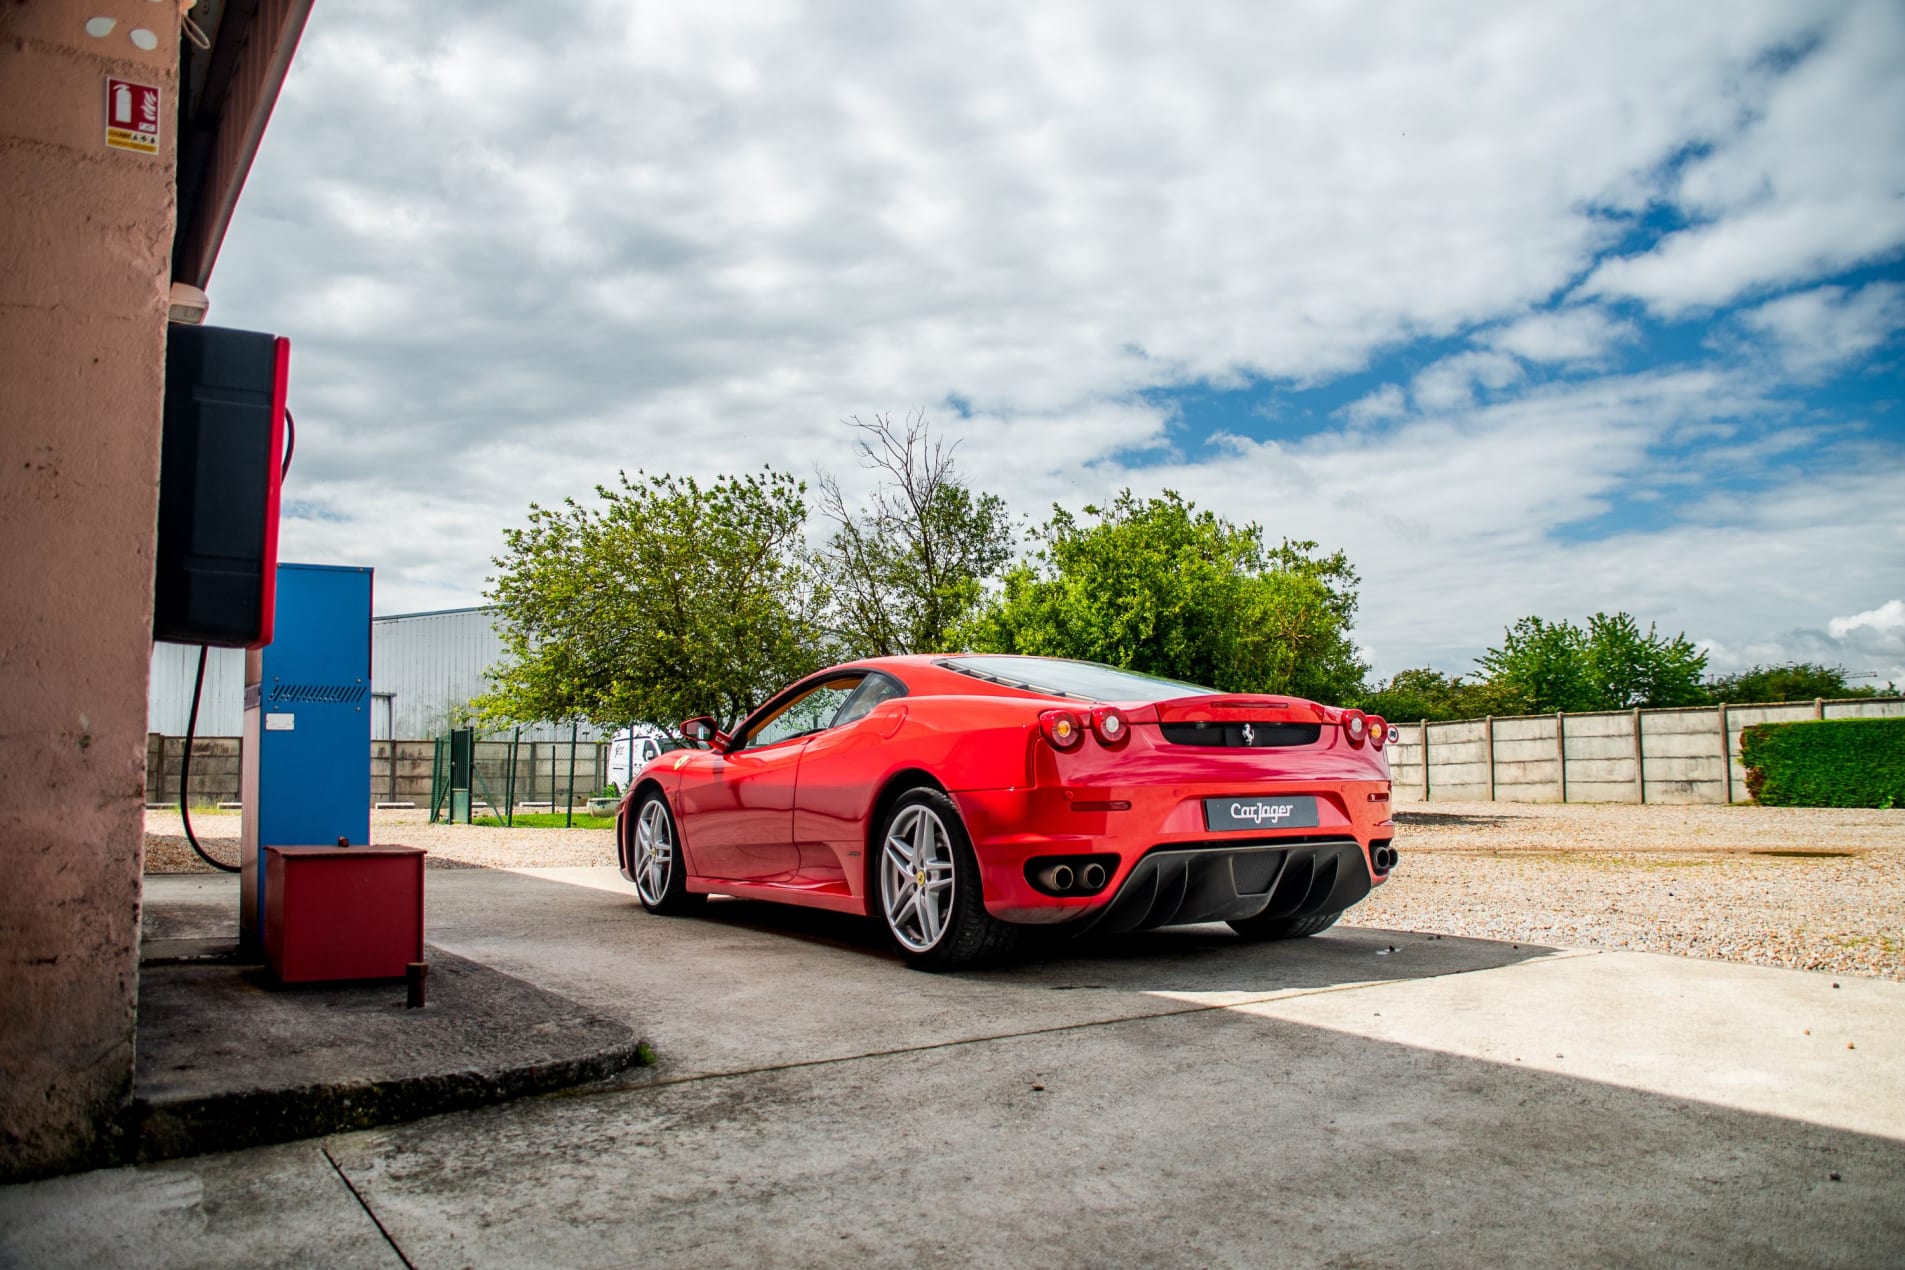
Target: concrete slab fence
[1688, 755]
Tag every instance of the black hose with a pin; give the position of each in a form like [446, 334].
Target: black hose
[185, 768]
[198, 687]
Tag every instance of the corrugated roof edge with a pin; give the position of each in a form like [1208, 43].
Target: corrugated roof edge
[398, 617]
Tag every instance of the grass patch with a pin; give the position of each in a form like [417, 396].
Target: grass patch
[1885, 943]
[548, 820]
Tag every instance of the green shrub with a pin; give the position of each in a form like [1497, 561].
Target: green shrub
[1830, 763]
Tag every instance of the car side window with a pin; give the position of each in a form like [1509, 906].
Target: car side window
[873, 690]
[809, 712]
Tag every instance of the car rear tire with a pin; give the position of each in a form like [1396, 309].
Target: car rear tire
[1256, 929]
[654, 855]
[926, 889]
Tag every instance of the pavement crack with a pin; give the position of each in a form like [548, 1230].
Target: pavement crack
[364, 1204]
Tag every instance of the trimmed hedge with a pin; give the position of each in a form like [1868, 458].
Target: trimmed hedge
[1830, 763]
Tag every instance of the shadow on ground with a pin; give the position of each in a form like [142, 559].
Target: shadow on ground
[1208, 958]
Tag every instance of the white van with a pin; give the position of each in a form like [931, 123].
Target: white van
[633, 749]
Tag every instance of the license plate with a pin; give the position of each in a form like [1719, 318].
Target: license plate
[1295, 812]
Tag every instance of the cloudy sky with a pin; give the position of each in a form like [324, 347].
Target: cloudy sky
[1538, 309]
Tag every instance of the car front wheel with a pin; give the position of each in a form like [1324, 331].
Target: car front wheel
[661, 877]
[930, 903]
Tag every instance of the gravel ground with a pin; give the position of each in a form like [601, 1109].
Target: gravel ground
[1809, 888]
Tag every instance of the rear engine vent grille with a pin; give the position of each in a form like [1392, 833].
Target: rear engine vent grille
[333, 694]
[1242, 735]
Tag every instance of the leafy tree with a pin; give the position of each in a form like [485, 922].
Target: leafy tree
[1428, 694]
[1793, 681]
[667, 600]
[1628, 669]
[1543, 666]
[1155, 585]
[911, 566]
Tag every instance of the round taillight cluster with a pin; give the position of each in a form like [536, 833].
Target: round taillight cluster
[1110, 725]
[1359, 727]
[1066, 729]
[1062, 728]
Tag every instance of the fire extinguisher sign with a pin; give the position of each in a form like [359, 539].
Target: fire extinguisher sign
[132, 116]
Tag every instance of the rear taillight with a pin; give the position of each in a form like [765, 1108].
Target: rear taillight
[1378, 731]
[1062, 728]
[1110, 725]
[1355, 726]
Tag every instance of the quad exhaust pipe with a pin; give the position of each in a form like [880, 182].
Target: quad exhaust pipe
[1383, 858]
[1092, 876]
[1057, 877]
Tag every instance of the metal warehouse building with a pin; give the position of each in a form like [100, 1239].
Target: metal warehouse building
[425, 667]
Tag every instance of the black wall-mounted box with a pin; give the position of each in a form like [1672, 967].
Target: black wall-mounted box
[219, 471]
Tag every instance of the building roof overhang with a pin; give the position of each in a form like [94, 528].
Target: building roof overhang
[226, 94]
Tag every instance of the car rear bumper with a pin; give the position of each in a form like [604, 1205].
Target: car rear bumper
[1163, 867]
[1176, 886]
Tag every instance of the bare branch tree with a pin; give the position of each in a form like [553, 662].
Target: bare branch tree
[910, 566]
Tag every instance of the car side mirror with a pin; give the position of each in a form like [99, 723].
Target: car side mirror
[701, 728]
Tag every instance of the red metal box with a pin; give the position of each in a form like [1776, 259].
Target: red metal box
[343, 912]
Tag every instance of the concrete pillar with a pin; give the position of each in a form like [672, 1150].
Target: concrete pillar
[1640, 762]
[1425, 760]
[1488, 753]
[85, 264]
[1726, 753]
[1561, 752]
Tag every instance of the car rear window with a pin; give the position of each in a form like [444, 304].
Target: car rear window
[1085, 680]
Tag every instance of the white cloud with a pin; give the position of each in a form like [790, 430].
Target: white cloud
[1887, 620]
[1808, 180]
[1868, 646]
[1816, 332]
[1386, 402]
[526, 245]
[1450, 383]
[1569, 336]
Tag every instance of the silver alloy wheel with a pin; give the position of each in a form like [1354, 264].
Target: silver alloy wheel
[654, 851]
[916, 878]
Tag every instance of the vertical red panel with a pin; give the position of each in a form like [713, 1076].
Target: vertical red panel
[274, 492]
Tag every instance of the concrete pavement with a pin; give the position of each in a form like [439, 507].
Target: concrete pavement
[1173, 1098]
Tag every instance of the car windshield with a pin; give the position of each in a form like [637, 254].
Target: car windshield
[1086, 680]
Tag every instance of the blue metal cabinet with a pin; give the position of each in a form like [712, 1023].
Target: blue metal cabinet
[306, 770]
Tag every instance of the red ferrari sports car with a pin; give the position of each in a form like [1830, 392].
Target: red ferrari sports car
[961, 799]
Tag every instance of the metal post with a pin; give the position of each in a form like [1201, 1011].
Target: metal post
[1561, 750]
[1726, 753]
[509, 785]
[436, 774]
[1640, 762]
[568, 818]
[390, 737]
[1425, 760]
[1488, 752]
